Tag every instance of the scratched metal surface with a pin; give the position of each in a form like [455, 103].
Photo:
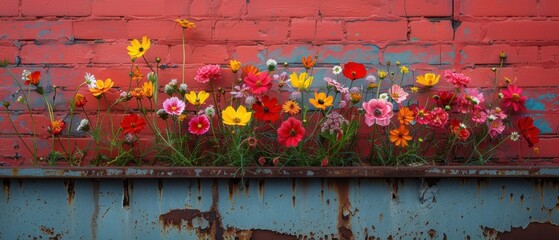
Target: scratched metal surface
[280, 208]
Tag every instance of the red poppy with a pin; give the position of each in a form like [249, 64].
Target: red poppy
[529, 131]
[199, 125]
[446, 98]
[267, 109]
[33, 78]
[131, 123]
[291, 132]
[353, 70]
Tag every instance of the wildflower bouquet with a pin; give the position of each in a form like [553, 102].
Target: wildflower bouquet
[282, 115]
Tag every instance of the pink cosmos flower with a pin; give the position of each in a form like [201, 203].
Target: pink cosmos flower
[199, 125]
[469, 99]
[498, 112]
[258, 84]
[207, 73]
[459, 80]
[377, 111]
[173, 106]
[438, 118]
[512, 96]
[338, 86]
[397, 93]
[496, 127]
[479, 116]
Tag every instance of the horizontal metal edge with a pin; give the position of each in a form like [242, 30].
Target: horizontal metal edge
[281, 172]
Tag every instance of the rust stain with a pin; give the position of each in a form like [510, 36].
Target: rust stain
[50, 232]
[432, 233]
[96, 189]
[15, 172]
[247, 185]
[126, 194]
[258, 234]
[233, 187]
[175, 217]
[380, 217]
[160, 188]
[7, 186]
[293, 191]
[521, 199]
[341, 186]
[322, 189]
[69, 185]
[261, 188]
[395, 194]
[534, 230]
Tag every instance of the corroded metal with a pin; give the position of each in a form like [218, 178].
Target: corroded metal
[278, 172]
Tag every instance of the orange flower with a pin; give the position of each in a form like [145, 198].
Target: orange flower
[291, 107]
[137, 93]
[137, 74]
[56, 127]
[185, 23]
[101, 87]
[405, 116]
[309, 61]
[79, 100]
[400, 136]
[251, 69]
[33, 78]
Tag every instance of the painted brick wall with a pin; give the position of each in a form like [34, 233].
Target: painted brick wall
[65, 39]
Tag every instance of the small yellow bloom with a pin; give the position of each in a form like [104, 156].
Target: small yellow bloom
[302, 81]
[148, 89]
[382, 74]
[404, 69]
[137, 49]
[428, 79]
[185, 23]
[197, 99]
[320, 101]
[181, 117]
[240, 117]
[355, 97]
[137, 74]
[137, 93]
[291, 107]
[234, 65]
[414, 89]
[372, 85]
[101, 87]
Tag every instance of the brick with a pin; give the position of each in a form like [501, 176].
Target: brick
[550, 54]
[9, 8]
[249, 54]
[490, 54]
[548, 8]
[523, 30]
[175, 7]
[502, 8]
[412, 54]
[336, 54]
[168, 30]
[431, 30]
[56, 53]
[126, 8]
[377, 31]
[289, 53]
[303, 29]
[424, 8]
[230, 8]
[470, 32]
[8, 52]
[31, 30]
[353, 8]
[537, 76]
[99, 29]
[329, 30]
[483, 76]
[285, 8]
[251, 30]
[56, 7]
[207, 54]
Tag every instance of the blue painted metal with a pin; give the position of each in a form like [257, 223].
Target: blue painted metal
[275, 208]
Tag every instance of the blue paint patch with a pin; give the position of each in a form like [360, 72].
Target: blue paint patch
[408, 57]
[466, 31]
[543, 126]
[43, 33]
[533, 104]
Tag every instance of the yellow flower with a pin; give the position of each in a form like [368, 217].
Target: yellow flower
[197, 99]
[320, 100]
[148, 89]
[355, 97]
[137, 49]
[185, 23]
[382, 74]
[181, 117]
[404, 69]
[372, 85]
[137, 93]
[414, 89]
[240, 117]
[234, 65]
[302, 81]
[101, 87]
[291, 107]
[428, 79]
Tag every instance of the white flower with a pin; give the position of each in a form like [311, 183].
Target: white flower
[462, 126]
[371, 79]
[123, 94]
[209, 111]
[383, 96]
[249, 101]
[492, 117]
[169, 89]
[514, 136]
[183, 87]
[337, 70]
[271, 62]
[90, 80]
[475, 100]
[84, 126]
[130, 138]
[173, 82]
[501, 95]
[20, 99]
[25, 74]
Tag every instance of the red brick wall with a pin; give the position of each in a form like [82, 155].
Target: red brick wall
[65, 39]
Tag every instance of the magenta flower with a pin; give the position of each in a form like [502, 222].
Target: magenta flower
[438, 117]
[377, 111]
[512, 96]
[496, 127]
[498, 112]
[469, 99]
[397, 93]
[199, 125]
[258, 84]
[173, 106]
[479, 116]
[207, 73]
[459, 80]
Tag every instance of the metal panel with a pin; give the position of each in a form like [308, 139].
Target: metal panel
[279, 208]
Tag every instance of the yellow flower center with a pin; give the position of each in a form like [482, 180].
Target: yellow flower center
[259, 83]
[237, 120]
[395, 95]
[199, 125]
[515, 97]
[173, 108]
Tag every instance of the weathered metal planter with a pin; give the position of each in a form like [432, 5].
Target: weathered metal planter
[274, 203]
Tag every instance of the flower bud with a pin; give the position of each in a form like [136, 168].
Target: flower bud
[6, 104]
[502, 55]
[447, 108]
[436, 97]
[493, 69]
[157, 59]
[162, 114]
